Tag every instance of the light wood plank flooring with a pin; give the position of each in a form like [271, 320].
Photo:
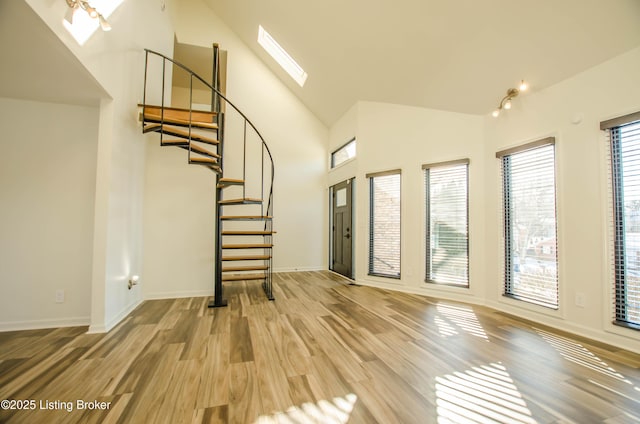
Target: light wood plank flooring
[324, 351]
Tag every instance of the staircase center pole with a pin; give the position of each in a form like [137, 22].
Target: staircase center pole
[215, 75]
[218, 299]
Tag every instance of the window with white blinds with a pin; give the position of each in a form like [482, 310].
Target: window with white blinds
[384, 224]
[623, 136]
[447, 217]
[529, 202]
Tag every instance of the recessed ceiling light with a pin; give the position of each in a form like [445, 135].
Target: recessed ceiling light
[281, 56]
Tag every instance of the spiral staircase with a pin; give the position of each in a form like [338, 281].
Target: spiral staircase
[225, 141]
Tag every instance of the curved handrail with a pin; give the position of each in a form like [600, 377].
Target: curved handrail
[268, 224]
[193, 74]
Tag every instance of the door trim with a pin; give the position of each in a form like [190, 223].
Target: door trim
[351, 200]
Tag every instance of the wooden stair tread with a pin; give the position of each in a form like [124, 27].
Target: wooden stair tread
[248, 246]
[224, 182]
[184, 144]
[203, 151]
[246, 258]
[245, 218]
[247, 233]
[179, 113]
[176, 132]
[208, 161]
[243, 201]
[151, 127]
[241, 277]
[245, 268]
[150, 117]
[180, 142]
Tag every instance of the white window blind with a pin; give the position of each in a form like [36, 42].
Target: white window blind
[529, 201]
[447, 214]
[384, 224]
[624, 143]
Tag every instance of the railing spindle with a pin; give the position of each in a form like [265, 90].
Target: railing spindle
[144, 88]
[217, 98]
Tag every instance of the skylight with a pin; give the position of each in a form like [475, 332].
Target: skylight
[281, 56]
[81, 25]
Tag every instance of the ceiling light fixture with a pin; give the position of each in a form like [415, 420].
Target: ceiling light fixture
[281, 56]
[75, 5]
[81, 26]
[505, 103]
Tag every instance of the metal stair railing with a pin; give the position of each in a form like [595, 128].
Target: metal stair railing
[267, 173]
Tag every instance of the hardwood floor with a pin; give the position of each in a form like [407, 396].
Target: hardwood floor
[322, 352]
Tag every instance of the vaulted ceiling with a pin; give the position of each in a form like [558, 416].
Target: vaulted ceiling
[455, 55]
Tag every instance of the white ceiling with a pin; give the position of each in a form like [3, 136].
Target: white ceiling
[36, 65]
[456, 55]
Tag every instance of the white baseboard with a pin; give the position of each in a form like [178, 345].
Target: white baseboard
[97, 329]
[105, 328]
[178, 294]
[599, 335]
[44, 323]
[300, 269]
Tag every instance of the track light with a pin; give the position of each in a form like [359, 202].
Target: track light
[75, 5]
[90, 10]
[505, 103]
[69, 15]
[104, 24]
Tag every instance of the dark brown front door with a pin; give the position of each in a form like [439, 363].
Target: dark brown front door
[341, 255]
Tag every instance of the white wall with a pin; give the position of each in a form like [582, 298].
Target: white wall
[47, 191]
[402, 137]
[178, 224]
[342, 131]
[392, 137]
[178, 253]
[116, 60]
[571, 111]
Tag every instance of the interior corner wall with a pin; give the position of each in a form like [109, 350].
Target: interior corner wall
[116, 60]
[402, 137]
[179, 208]
[571, 111]
[47, 190]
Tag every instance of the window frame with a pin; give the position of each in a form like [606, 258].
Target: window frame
[508, 265]
[344, 146]
[428, 205]
[371, 268]
[617, 221]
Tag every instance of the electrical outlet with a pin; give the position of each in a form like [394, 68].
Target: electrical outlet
[580, 300]
[59, 296]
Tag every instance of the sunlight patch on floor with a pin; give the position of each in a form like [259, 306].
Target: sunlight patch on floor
[580, 355]
[451, 318]
[483, 394]
[336, 411]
